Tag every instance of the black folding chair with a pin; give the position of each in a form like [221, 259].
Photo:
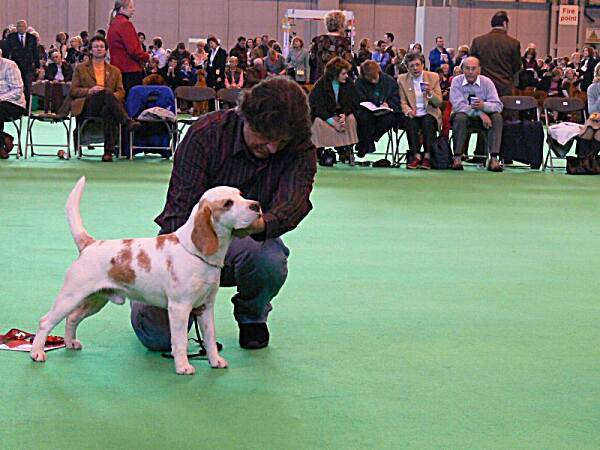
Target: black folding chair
[228, 98]
[561, 105]
[191, 94]
[64, 118]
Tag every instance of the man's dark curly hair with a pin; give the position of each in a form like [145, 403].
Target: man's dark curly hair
[277, 108]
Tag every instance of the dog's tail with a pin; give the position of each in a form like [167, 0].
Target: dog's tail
[81, 236]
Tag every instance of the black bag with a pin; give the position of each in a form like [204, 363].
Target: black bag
[583, 166]
[523, 141]
[441, 155]
[328, 158]
[7, 141]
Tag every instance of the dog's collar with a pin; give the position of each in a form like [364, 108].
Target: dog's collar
[203, 259]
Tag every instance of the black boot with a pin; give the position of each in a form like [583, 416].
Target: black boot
[253, 335]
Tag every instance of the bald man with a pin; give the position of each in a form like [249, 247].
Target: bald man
[476, 105]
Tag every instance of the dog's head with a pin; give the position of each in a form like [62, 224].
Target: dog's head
[224, 207]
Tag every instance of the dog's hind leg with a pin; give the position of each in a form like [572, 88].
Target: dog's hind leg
[179, 315]
[90, 306]
[67, 301]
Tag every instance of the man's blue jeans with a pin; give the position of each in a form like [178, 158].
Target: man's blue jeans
[258, 269]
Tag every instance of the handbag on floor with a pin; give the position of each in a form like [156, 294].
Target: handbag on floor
[8, 141]
[441, 155]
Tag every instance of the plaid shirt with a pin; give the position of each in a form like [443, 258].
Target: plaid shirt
[213, 153]
[11, 84]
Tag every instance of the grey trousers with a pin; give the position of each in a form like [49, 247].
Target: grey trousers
[258, 269]
[461, 123]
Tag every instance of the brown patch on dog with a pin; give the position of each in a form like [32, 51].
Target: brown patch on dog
[120, 267]
[144, 261]
[100, 242]
[127, 242]
[171, 270]
[203, 236]
[160, 240]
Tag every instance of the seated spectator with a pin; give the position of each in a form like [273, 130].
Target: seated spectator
[333, 103]
[381, 90]
[417, 49]
[57, 69]
[461, 55]
[475, 105]
[180, 53]
[570, 83]
[74, 51]
[388, 41]
[380, 56]
[234, 75]
[101, 94]
[187, 74]
[142, 38]
[551, 83]
[239, 51]
[528, 77]
[444, 77]
[258, 51]
[364, 52]
[159, 52]
[85, 40]
[298, 61]
[172, 74]
[438, 55]
[421, 98]
[256, 73]
[61, 44]
[12, 98]
[274, 63]
[575, 60]
[397, 65]
[593, 92]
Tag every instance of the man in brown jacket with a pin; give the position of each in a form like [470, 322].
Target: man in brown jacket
[499, 54]
[97, 91]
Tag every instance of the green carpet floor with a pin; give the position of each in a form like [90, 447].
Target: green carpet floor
[423, 310]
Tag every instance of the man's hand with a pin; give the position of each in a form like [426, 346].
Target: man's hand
[477, 104]
[385, 105]
[258, 226]
[339, 123]
[411, 114]
[487, 122]
[95, 89]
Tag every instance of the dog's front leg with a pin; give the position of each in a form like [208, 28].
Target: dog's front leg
[178, 319]
[207, 323]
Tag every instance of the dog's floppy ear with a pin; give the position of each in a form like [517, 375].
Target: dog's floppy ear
[203, 235]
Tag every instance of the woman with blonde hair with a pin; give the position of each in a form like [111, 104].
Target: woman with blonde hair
[334, 43]
[74, 51]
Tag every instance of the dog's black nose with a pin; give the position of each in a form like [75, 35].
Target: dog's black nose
[255, 206]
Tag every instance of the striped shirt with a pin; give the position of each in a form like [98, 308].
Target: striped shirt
[11, 83]
[213, 153]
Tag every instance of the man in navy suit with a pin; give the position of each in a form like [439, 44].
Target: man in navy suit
[23, 49]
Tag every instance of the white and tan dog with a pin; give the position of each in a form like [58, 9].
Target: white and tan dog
[178, 271]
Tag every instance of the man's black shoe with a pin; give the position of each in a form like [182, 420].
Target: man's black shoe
[253, 335]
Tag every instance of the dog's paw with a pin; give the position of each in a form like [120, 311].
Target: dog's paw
[73, 345]
[38, 355]
[185, 369]
[218, 362]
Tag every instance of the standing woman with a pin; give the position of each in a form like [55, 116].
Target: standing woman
[125, 50]
[334, 43]
[298, 61]
[586, 68]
